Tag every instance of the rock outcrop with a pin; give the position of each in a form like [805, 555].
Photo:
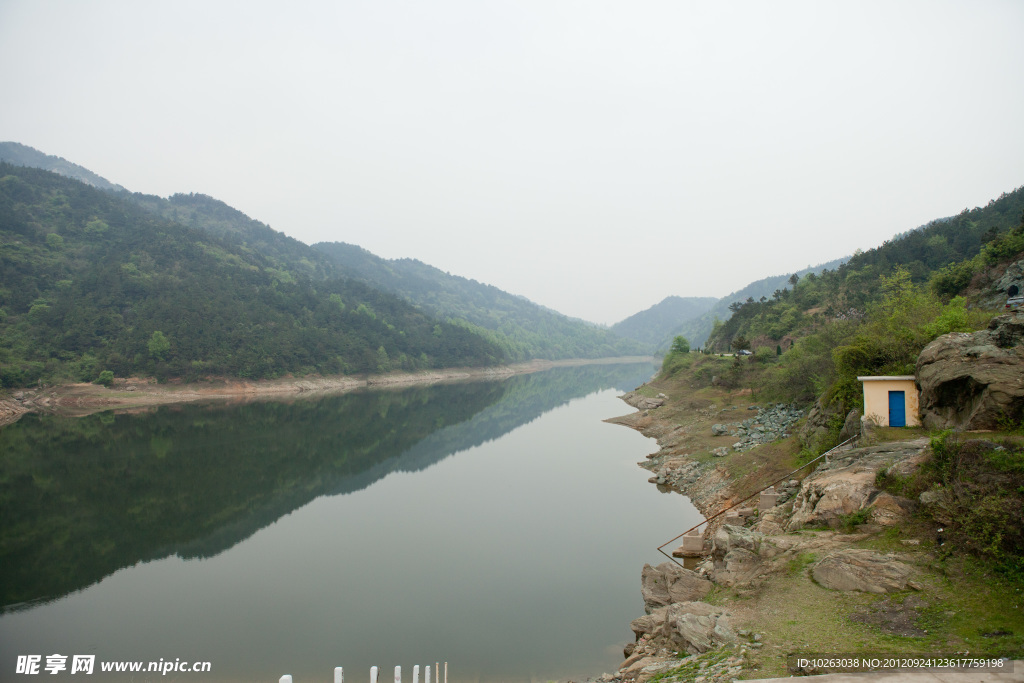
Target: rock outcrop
[739, 554]
[819, 423]
[847, 484]
[693, 627]
[857, 569]
[972, 381]
[668, 583]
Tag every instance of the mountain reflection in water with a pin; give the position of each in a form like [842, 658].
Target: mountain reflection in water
[97, 502]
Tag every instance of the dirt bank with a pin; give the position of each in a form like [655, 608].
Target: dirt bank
[135, 392]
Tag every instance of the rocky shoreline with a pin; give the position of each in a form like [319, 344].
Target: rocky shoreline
[720, 620]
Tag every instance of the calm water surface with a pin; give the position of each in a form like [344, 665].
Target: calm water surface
[498, 526]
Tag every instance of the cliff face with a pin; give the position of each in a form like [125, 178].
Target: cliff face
[974, 381]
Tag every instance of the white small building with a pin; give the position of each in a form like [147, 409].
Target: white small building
[891, 401]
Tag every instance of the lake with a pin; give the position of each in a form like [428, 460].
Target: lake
[500, 526]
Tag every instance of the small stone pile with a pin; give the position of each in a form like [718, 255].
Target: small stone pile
[770, 423]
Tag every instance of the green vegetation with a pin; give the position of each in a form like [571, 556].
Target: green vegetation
[979, 488]
[874, 314]
[800, 563]
[678, 357]
[850, 522]
[521, 328]
[698, 328]
[656, 324]
[90, 281]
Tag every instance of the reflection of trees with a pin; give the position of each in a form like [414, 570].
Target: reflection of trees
[83, 497]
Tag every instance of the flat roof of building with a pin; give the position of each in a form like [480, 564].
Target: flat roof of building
[887, 377]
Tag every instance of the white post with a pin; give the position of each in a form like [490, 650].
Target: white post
[415, 673]
[373, 674]
[426, 678]
[398, 674]
[446, 672]
[339, 675]
[285, 679]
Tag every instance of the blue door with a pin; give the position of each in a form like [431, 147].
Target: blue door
[897, 409]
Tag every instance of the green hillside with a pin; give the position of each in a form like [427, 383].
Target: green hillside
[90, 281]
[697, 328]
[941, 257]
[871, 316]
[18, 154]
[520, 327]
[654, 325]
[245, 234]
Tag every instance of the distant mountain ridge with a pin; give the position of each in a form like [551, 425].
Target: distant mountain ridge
[18, 154]
[521, 327]
[697, 329]
[94, 284]
[652, 326]
[511, 327]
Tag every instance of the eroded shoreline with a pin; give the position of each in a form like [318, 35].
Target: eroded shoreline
[134, 393]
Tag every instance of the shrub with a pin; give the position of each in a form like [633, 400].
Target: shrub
[106, 378]
[985, 483]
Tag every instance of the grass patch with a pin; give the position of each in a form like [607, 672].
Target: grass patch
[798, 564]
[693, 665]
[850, 522]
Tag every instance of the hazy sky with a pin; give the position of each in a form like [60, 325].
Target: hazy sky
[592, 156]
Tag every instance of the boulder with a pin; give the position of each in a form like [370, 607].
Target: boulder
[999, 291]
[691, 626]
[819, 419]
[851, 427]
[847, 484]
[972, 381]
[738, 555]
[858, 569]
[719, 429]
[644, 403]
[668, 583]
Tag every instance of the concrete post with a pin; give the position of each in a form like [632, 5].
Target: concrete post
[693, 541]
[339, 675]
[769, 499]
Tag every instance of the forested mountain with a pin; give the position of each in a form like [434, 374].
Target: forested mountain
[18, 154]
[945, 255]
[653, 326]
[247, 235]
[90, 281]
[696, 329]
[522, 328]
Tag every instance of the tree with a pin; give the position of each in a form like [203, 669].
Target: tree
[680, 345]
[158, 345]
[740, 344]
[793, 279]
